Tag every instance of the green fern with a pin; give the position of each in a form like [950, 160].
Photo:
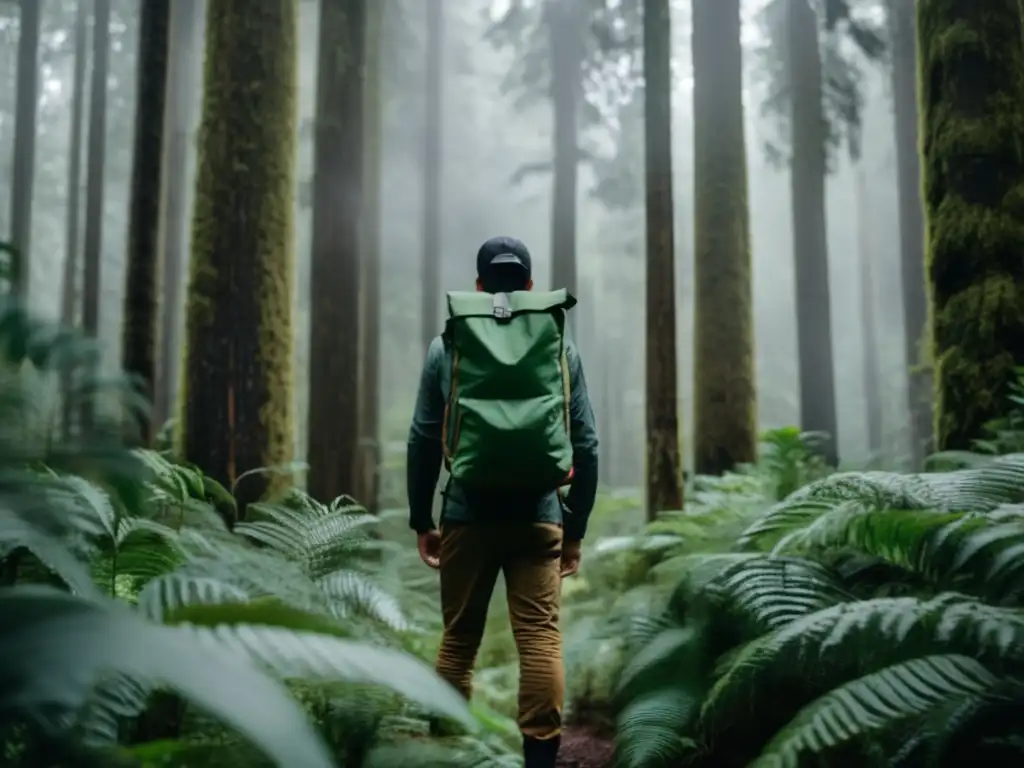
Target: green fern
[77, 665]
[878, 702]
[850, 639]
[796, 625]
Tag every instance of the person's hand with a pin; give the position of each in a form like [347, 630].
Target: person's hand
[570, 558]
[429, 546]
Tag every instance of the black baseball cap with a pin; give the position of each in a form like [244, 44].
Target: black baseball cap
[503, 252]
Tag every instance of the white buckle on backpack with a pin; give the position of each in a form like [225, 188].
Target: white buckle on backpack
[502, 307]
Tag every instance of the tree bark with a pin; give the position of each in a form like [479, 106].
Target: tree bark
[237, 405]
[23, 173]
[185, 22]
[142, 280]
[971, 61]
[566, 28]
[810, 241]
[869, 333]
[664, 462]
[432, 169]
[911, 223]
[367, 491]
[95, 167]
[337, 207]
[72, 245]
[725, 391]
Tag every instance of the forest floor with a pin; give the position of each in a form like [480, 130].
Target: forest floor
[584, 746]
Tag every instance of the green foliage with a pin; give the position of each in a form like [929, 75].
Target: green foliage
[868, 618]
[146, 590]
[791, 458]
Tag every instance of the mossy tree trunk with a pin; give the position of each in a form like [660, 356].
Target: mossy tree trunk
[337, 209]
[237, 405]
[72, 238]
[368, 475]
[664, 461]
[808, 169]
[433, 140]
[26, 110]
[566, 24]
[142, 282]
[911, 218]
[725, 417]
[971, 59]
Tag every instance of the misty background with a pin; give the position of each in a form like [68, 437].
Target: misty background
[490, 139]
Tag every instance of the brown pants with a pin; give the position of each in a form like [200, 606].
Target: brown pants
[529, 555]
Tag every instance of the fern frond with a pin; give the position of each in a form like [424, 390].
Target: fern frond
[782, 518]
[893, 535]
[650, 728]
[311, 656]
[876, 702]
[57, 647]
[851, 639]
[114, 699]
[171, 592]
[137, 548]
[770, 592]
[349, 592]
[978, 552]
[319, 537]
[979, 489]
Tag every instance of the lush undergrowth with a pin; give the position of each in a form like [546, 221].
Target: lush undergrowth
[790, 616]
[869, 618]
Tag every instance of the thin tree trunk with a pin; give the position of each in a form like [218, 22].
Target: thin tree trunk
[810, 241]
[142, 281]
[185, 45]
[725, 392]
[972, 109]
[368, 476]
[95, 168]
[237, 405]
[911, 218]
[92, 253]
[432, 187]
[609, 427]
[23, 173]
[869, 333]
[664, 462]
[337, 207]
[72, 245]
[565, 25]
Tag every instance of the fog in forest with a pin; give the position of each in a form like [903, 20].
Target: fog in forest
[496, 179]
[294, 471]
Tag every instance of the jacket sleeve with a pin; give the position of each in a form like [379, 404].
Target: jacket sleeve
[424, 452]
[583, 431]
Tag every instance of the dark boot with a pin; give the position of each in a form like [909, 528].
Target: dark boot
[540, 753]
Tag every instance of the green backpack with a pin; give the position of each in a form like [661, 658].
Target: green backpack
[506, 424]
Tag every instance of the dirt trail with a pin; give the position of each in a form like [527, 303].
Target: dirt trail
[584, 747]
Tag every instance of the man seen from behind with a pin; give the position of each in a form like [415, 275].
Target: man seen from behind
[503, 402]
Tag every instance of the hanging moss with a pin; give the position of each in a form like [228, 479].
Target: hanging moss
[971, 70]
[237, 405]
[725, 420]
